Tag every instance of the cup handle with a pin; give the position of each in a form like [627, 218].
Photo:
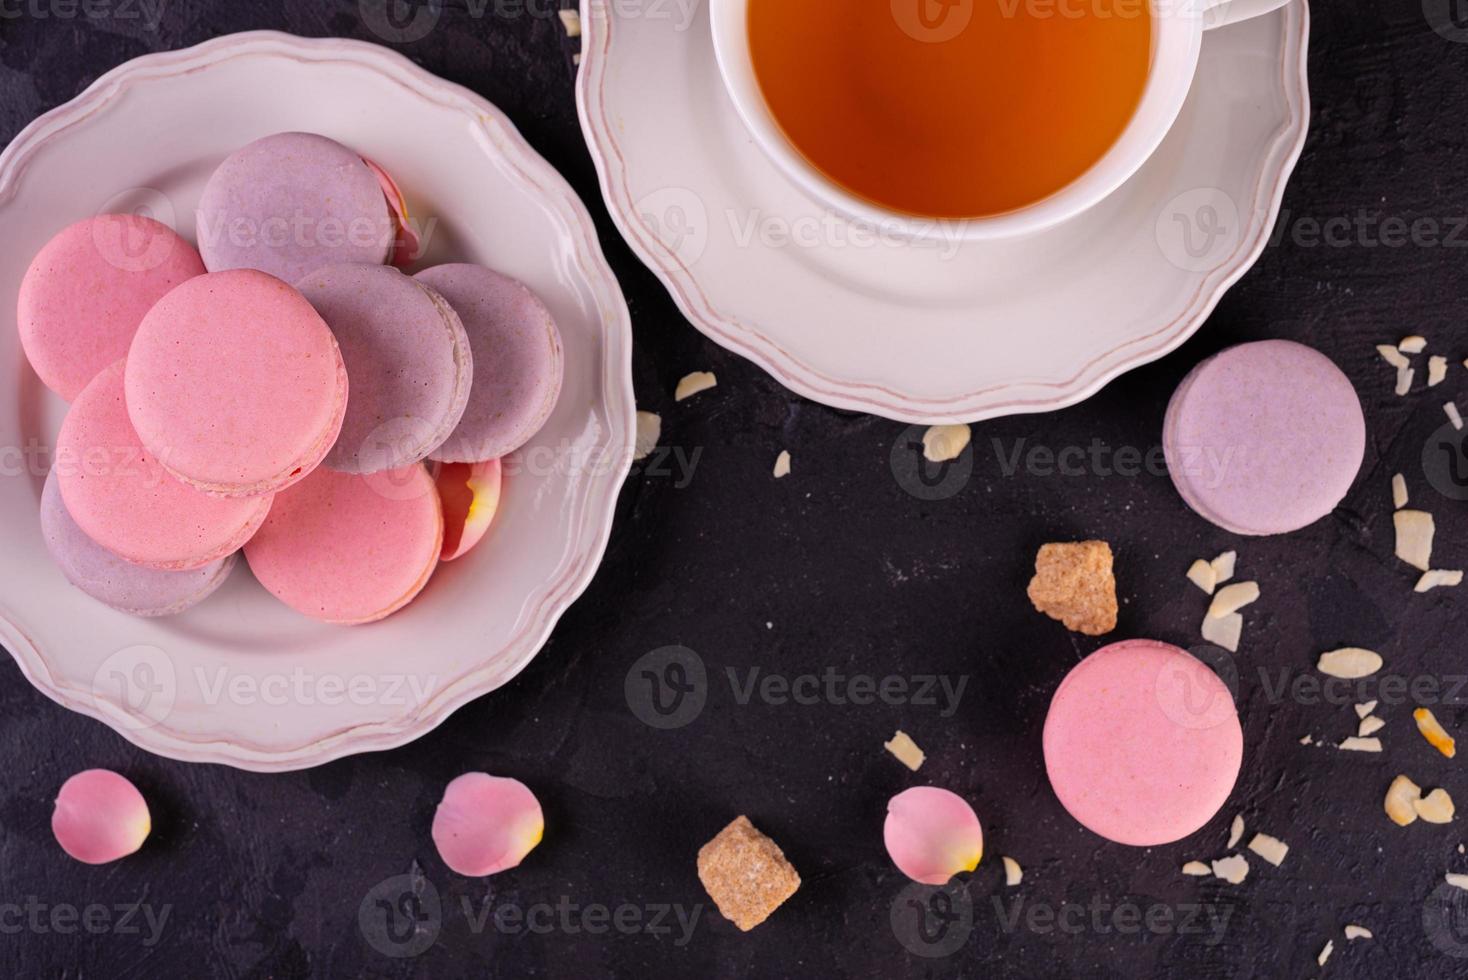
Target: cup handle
[1219, 13]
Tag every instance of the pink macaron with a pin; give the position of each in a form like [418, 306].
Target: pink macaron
[350, 549]
[1142, 743]
[291, 203]
[409, 360]
[236, 384]
[1264, 438]
[123, 498]
[88, 289]
[518, 364]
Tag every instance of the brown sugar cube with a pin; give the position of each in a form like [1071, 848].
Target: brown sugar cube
[746, 874]
[1074, 584]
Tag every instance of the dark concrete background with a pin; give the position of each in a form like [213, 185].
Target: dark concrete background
[839, 568]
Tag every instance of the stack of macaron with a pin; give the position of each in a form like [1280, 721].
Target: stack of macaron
[282, 390]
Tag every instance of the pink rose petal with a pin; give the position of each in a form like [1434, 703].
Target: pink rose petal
[471, 495]
[407, 245]
[486, 824]
[932, 834]
[100, 817]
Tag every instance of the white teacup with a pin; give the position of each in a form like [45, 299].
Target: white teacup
[1177, 38]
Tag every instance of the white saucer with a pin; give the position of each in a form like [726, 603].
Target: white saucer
[934, 333]
[241, 679]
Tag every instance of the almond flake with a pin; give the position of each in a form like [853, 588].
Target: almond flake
[1401, 799]
[1355, 744]
[1197, 869]
[1399, 491]
[1437, 371]
[905, 750]
[1404, 380]
[1271, 849]
[1203, 576]
[649, 431]
[1370, 725]
[782, 464]
[1231, 598]
[944, 442]
[1224, 564]
[1225, 631]
[1232, 869]
[1235, 831]
[1435, 734]
[1415, 529]
[1013, 873]
[1325, 952]
[1454, 416]
[1365, 708]
[1392, 356]
[1412, 345]
[1438, 578]
[1349, 663]
[571, 21]
[1354, 931]
[1457, 881]
[1307, 740]
[1435, 807]
[693, 383]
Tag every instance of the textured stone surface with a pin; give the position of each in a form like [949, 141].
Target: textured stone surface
[837, 569]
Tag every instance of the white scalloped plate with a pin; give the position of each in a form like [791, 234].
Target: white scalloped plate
[935, 334]
[241, 679]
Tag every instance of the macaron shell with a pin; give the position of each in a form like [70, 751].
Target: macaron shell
[518, 365]
[1142, 743]
[87, 290]
[126, 587]
[236, 384]
[350, 549]
[408, 359]
[124, 500]
[291, 203]
[1264, 438]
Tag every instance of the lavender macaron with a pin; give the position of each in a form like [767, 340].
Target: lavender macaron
[291, 203]
[1264, 438]
[408, 360]
[518, 365]
[109, 579]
